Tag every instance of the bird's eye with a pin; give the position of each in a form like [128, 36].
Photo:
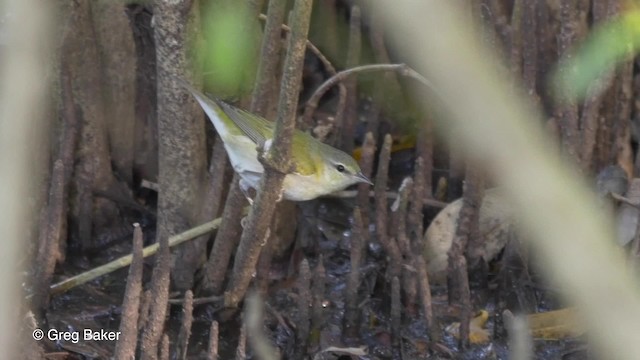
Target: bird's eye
[340, 168]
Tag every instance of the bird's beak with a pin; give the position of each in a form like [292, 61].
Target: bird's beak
[361, 178]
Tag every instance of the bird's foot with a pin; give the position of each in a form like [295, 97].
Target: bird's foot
[246, 191]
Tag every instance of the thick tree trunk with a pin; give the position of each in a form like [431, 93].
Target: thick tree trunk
[92, 171]
[117, 53]
[182, 158]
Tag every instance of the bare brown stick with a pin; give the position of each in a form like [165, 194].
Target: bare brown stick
[266, 256]
[399, 231]
[381, 209]
[214, 190]
[460, 282]
[114, 265]
[331, 70]
[212, 352]
[212, 199]
[143, 315]
[399, 216]
[226, 240]
[277, 161]
[49, 238]
[317, 313]
[229, 234]
[366, 165]
[304, 301]
[467, 227]
[425, 295]
[352, 314]
[263, 93]
[414, 217]
[185, 326]
[241, 350]
[269, 57]
[347, 118]
[328, 66]
[163, 349]
[126, 346]
[396, 310]
[473, 195]
[159, 295]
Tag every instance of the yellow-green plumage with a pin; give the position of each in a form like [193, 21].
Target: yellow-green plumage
[319, 169]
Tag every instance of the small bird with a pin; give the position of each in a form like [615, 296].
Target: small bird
[319, 169]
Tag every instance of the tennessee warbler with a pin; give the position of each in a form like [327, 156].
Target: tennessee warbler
[319, 168]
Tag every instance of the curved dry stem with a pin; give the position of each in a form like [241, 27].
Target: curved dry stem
[119, 263]
[328, 66]
[338, 78]
[314, 49]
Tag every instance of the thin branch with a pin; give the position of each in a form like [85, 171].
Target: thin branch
[269, 57]
[277, 161]
[185, 326]
[314, 49]
[114, 265]
[303, 322]
[212, 352]
[388, 243]
[126, 347]
[366, 164]
[226, 240]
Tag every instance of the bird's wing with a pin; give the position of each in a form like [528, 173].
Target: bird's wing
[258, 129]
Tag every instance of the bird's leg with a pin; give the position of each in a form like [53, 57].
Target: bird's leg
[280, 195]
[245, 188]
